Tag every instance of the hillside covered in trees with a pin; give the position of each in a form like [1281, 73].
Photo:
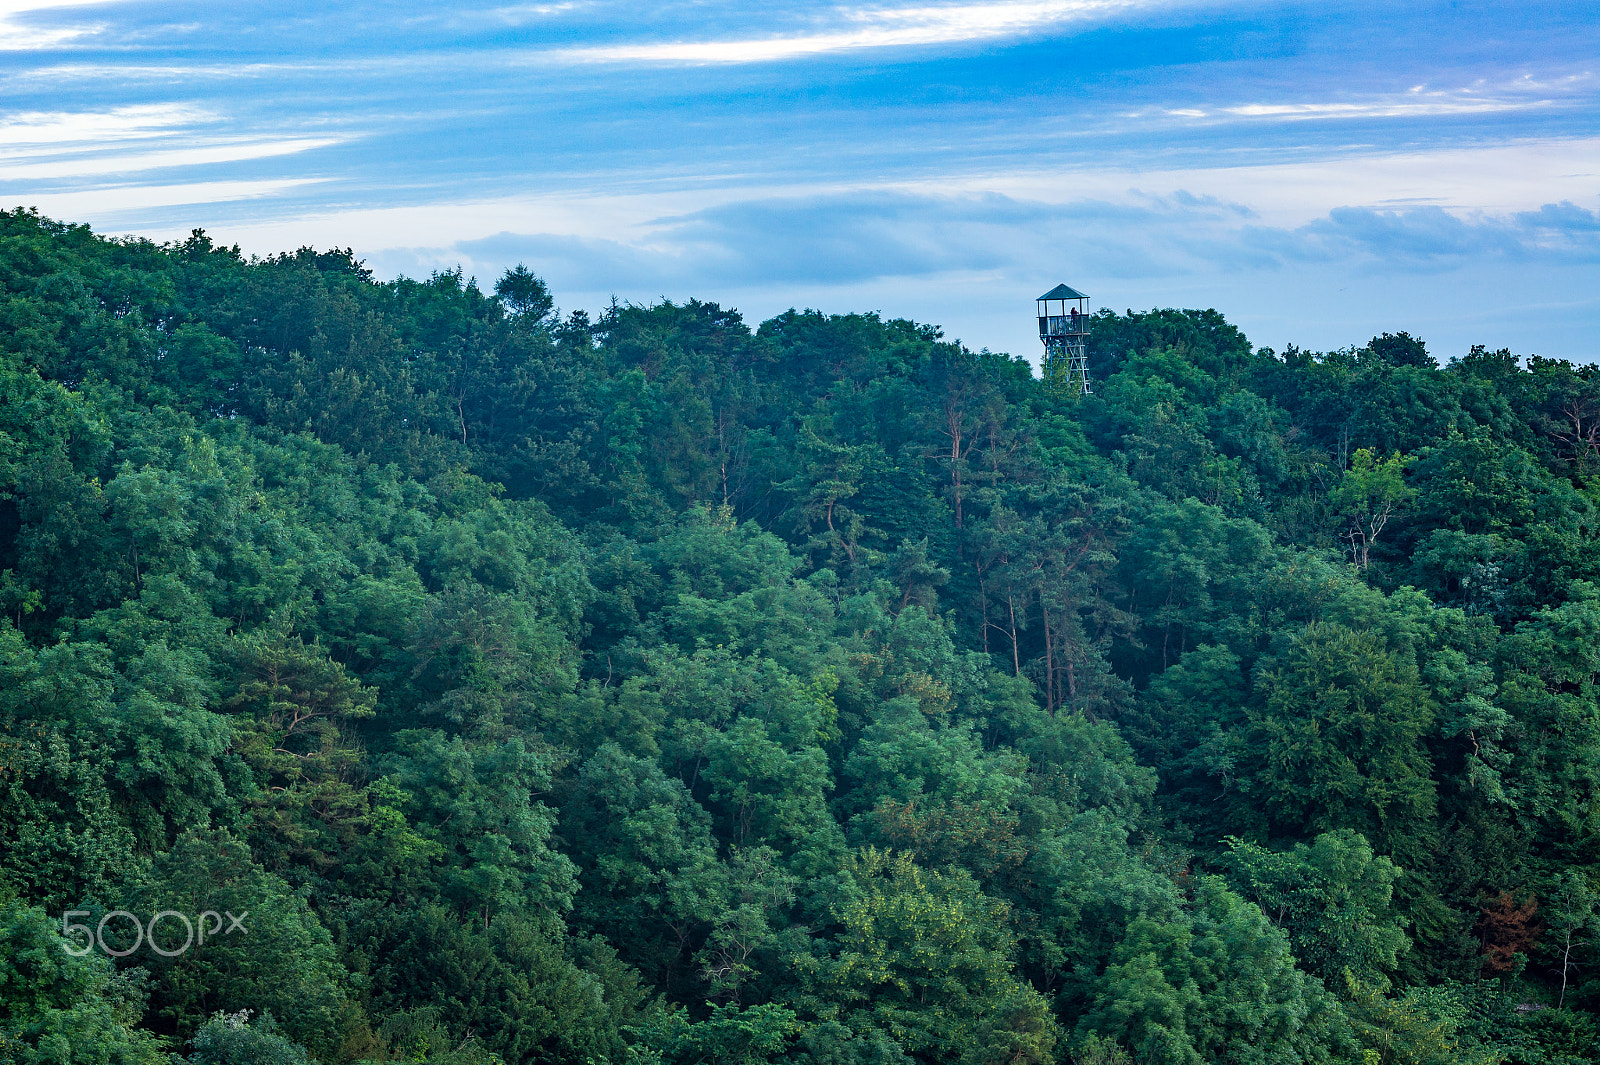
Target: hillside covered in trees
[658, 688]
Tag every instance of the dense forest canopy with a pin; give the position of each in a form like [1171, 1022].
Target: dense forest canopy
[656, 688]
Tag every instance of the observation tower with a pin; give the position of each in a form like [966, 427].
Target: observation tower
[1064, 331]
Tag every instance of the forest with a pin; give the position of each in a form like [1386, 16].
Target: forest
[653, 687]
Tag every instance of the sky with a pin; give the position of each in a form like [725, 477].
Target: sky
[1318, 172]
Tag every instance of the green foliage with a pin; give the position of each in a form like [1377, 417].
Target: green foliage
[279, 960]
[59, 1006]
[1366, 498]
[1220, 986]
[1421, 1028]
[1338, 741]
[1334, 898]
[730, 1036]
[418, 1036]
[235, 1039]
[512, 983]
[651, 687]
[924, 958]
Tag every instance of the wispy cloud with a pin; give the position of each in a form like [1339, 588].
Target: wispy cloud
[851, 29]
[502, 15]
[1417, 102]
[19, 34]
[1497, 179]
[32, 128]
[75, 146]
[1400, 108]
[102, 163]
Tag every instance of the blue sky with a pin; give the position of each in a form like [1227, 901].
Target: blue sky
[1317, 172]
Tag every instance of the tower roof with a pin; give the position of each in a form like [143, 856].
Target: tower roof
[1064, 292]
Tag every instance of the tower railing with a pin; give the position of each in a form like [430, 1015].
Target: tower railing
[1063, 315]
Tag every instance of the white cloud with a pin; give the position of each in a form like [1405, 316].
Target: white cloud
[1497, 179]
[1396, 108]
[521, 14]
[131, 163]
[17, 7]
[876, 27]
[67, 145]
[121, 123]
[1417, 102]
[18, 36]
